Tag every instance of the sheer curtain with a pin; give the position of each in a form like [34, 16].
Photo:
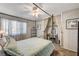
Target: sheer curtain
[4, 25]
[11, 27]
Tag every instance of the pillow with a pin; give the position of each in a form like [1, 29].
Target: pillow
[12, 52]
[2, 42]
[11, 43]
[11, 47]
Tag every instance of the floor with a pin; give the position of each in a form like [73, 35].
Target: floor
[63, 52]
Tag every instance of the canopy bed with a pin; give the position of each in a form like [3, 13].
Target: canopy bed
[28, 47]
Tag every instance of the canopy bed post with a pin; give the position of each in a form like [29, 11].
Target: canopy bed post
[78, 41]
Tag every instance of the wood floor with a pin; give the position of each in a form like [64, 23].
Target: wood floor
[63, 52]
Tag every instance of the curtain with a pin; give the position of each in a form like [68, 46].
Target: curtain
[11, 27]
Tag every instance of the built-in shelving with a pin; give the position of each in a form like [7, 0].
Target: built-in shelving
[33, 32]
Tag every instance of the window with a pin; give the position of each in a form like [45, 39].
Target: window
[4, 25]
[11, 27]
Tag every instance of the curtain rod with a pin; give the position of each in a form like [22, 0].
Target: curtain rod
[42, 9]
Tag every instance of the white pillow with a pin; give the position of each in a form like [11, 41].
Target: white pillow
[2, 42]
[11, 47]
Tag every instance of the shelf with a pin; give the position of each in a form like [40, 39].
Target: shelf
[33, 32]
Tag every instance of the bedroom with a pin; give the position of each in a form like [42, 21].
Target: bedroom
[42, 27]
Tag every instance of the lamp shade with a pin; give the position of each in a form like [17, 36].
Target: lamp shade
[1, 33]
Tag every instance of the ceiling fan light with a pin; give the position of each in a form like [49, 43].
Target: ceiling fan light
[35, 11]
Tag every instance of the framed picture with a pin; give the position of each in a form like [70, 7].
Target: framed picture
[71, 24]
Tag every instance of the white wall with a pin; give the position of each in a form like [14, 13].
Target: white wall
[40, 30]
[69, 36]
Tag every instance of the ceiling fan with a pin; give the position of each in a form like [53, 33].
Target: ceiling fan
[35, 11]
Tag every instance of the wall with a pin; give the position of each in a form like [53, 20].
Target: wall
[40, 28]
[42, 24]
[69, 36]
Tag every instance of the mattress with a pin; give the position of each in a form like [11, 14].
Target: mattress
[35, 47]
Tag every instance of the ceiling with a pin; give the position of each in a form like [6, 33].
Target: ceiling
[24, 10]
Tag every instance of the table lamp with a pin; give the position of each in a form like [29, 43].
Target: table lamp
[1, 38]
[1, 33]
